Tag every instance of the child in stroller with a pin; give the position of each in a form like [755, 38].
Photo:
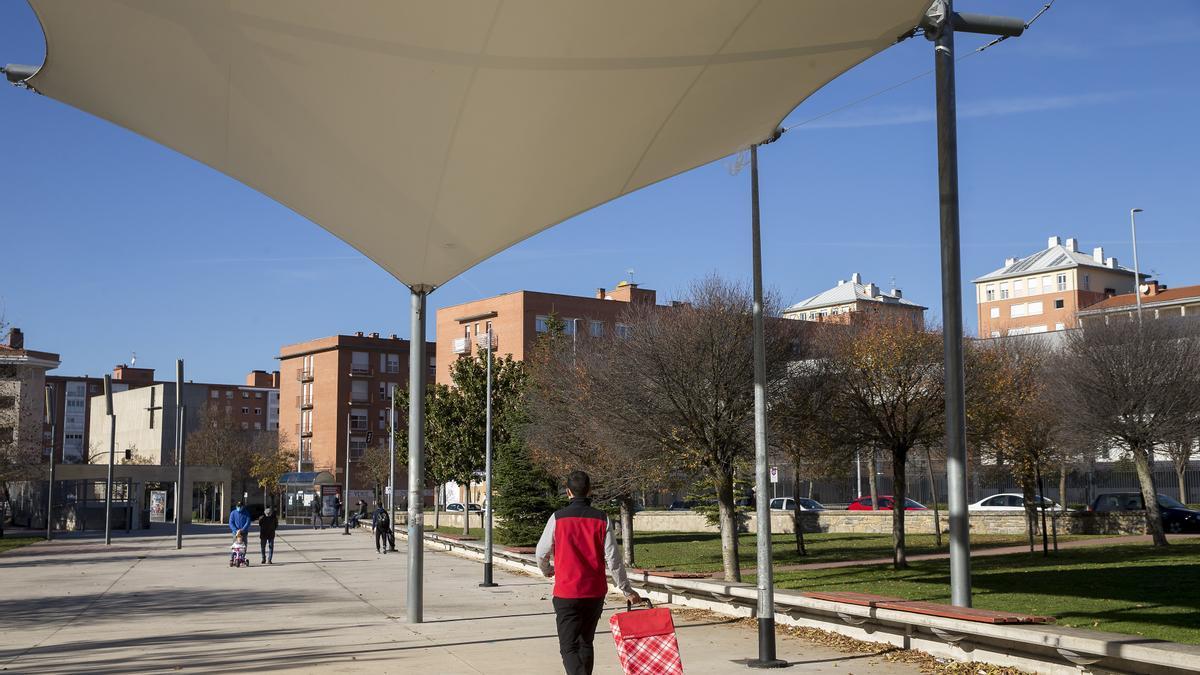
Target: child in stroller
[237, 552]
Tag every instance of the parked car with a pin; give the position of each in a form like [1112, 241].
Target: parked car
[455, 506]
[1176, 517]
[789, 504]
[885, 504]
[1009, 501]
[745, 502]
[681, 505]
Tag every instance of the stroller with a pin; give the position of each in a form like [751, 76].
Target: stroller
[237, 552]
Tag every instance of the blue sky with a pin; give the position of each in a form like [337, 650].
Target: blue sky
[112, 244]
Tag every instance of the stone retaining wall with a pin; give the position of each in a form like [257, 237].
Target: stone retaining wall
[859, 522]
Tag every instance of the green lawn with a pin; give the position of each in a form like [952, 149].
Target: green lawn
[1134, 588]
[7, 543]
[701, 552]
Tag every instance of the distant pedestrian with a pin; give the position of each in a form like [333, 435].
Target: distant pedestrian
[580, 539]
[359, 513]
[337, 511]
[266, 535]
[239, 521]
[381, 522]
[317, 520]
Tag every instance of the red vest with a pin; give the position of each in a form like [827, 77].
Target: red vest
[579, 532]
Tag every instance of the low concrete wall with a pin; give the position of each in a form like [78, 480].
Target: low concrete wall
[880, 522]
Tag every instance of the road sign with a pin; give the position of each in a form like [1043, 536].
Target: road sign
[774, 474]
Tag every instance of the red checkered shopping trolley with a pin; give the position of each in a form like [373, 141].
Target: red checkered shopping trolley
[646, 643]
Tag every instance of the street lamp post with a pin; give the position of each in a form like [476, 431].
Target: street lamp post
[487, 452]
[1137, 275]
[112, 458]
[48, 412]
[346, 489]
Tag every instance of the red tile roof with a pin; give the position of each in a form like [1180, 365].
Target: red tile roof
[1128, 300]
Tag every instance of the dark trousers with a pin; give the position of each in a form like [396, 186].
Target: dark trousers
[384, 537]
[577, 619]
[268, 548]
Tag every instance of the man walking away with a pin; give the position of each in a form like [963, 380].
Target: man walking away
[381, 522]
[317, 521]
[239, 522]
[266, 535]
[581, 540]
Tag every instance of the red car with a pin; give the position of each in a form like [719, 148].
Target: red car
[885, 504]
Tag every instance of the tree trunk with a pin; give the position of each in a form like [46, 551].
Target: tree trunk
[728, 524]
[1041, 505]
[899, 460]
[1181, 462]
[437, 500]
[627, 529]
[1027, 491]
[872, 468]
[1062, 485]
[937, 516]
[797, 521]
[466, 508]
[1141, 460]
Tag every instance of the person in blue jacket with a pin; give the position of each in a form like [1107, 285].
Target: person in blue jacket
[239, 521]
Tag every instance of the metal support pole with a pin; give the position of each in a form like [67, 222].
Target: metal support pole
[346, 483]
[179, 458]
[1137, 275]
[392, 457]
[858, 473]
[952, 331]
[112, 457]
[48, 413]
[416, 455]
[487, 475]
[766, 583]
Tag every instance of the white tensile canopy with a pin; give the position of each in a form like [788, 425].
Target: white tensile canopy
[431, 135]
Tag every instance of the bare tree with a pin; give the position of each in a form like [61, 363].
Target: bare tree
[1180, 449]
[684, 382]
[889, 396]
[1137, 384]
[272, 457]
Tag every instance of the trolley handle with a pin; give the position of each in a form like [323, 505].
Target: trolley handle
[629, 605]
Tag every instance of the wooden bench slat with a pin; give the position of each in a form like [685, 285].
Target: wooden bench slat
[928, 608]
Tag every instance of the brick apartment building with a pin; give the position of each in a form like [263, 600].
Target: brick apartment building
[1158, 301]
[332, 382]
[1044, 291]
[517, 318]
[851, 301]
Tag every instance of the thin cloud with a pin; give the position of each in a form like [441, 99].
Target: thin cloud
[894, 115]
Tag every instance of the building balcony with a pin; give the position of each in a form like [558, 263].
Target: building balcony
[357, 426]
[303, 433]
[303, 375]
[460, 346]
[481, 341]
[304, 403]
[361, 371]
[359, 399]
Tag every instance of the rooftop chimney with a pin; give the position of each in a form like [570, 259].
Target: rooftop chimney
[358, 333]
[1111, 263]
[1098, 255]
[600, 293]
[374, 335]
[393, 336]
[1072, 244]
[16, 339]
[856, 278]
[872, 290]
[1009, 262]
[1052, 242]
[896, 293]
[841, 281]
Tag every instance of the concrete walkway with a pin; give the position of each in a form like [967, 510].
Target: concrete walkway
[328, 604]
[975, 553]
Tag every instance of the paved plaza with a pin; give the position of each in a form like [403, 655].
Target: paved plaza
[328, 604]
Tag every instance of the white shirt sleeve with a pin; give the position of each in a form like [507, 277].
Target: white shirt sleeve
[612, 558]
[545, 549]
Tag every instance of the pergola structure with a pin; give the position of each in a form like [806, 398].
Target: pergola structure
[432, 135]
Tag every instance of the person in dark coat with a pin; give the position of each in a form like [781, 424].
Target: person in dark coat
[266, 534]
[381, 522]
[317, 520]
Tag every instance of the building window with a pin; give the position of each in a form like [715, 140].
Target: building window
[359, 392]
[245, 410]
[1019, 288]
[995, 312]
[258, 411]
[995, 333]
[1004, 291]
[9, 402]
[228, 410]
[1016, 311]
[6, 434]
[393, 363]
[569, 326]
[624, 331]
[1087, 282]
[245, 394]
[215, 393]
[258, 426]
[1062, 282]
[596, 328]
[360, 362]
[1037, 329]
[358, 420]
[1035, 308]
[1058, 304]
[989, 293]
[229, 394]
[358, 445]
[258, 394]
[245, 426]
[1059, 326]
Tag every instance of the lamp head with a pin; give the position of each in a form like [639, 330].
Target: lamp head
[1135, 210]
